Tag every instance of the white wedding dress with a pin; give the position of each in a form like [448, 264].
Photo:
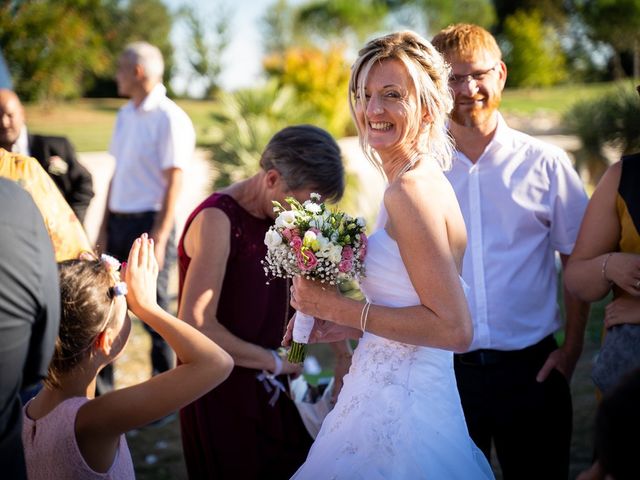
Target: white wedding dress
[398, 415]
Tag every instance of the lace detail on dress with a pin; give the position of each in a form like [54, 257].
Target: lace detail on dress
[385, 362]
[380, 363]
[398, 414]
[346, 409]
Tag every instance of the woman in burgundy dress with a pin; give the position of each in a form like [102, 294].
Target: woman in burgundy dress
[247, 428]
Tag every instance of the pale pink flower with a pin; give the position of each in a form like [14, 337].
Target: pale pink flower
[307, 260]
[296, 243]
[345, 266]
[347, 252]
[363, 246]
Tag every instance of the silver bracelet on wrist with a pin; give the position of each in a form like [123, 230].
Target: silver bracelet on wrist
[364, 315]
[604, 268]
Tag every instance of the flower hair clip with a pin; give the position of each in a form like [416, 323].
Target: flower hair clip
[113, 265]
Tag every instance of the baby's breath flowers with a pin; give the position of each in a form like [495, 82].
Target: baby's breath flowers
[314, 242]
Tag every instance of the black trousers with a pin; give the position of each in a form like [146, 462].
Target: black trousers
[122, 230]
[529, 423]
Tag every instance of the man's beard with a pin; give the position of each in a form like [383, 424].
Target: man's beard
[476, 116]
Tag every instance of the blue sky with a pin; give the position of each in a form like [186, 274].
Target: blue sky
[242, 61]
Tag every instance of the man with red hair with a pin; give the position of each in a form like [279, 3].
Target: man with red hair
[522, 202]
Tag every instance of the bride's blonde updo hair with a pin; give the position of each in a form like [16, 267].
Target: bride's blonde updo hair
[430, 76]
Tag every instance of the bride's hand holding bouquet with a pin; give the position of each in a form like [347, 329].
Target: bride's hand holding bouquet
[324, 331]
[309, 241]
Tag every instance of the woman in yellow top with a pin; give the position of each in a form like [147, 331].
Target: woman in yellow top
[65, 230]
[607, 257]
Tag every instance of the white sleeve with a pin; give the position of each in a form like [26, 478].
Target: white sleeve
[178, 140]
[568, 202]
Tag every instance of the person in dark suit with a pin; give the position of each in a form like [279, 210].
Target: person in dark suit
[56, 154]
[29, 314]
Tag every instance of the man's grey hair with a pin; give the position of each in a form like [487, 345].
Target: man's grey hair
[147, 56]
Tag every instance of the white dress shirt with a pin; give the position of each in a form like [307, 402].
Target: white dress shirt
[521, 201]
[146, 141]
[22, 143]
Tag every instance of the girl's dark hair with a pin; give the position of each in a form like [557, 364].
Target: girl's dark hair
[306, 157]
[85, 303]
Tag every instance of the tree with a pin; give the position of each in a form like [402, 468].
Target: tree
[438, 14]
[616, 23]
[207, 50]
[339, 18]
[50, 45]
[120, 22]
[277, 27]
[352, 21]
[60, 49]
[534, 55]
[552, 11]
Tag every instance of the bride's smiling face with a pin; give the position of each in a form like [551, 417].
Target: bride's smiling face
[390, 103]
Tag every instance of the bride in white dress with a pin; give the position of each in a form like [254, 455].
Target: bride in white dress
[399, 415]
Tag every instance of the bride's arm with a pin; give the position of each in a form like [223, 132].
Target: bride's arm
[419, 226]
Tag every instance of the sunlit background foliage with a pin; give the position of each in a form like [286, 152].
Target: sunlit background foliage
[67, 49]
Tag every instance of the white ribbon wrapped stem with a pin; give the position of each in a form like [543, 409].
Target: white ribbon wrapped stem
[302, 326]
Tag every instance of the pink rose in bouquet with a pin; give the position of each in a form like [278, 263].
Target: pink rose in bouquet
[317, 243]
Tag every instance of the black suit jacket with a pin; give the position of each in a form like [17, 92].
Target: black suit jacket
[73, 180]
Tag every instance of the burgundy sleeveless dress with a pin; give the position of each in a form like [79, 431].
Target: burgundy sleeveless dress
[233, 431]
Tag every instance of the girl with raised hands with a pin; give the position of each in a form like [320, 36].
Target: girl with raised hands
[67, 432]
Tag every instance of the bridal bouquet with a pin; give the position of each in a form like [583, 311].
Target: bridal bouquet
[314, 242]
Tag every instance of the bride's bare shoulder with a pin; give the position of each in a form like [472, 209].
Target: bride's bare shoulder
[420, 188]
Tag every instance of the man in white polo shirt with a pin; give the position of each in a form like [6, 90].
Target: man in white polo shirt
[152, 141]
[522, 202]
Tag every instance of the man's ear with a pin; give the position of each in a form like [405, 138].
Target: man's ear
[502, 74]
[138, 71]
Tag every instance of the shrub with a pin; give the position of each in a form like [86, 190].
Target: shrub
[244, 122]
[533, 54]
[611, 120]
[320, 80]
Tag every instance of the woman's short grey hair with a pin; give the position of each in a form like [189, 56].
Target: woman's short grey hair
[147, 56]
[307, 157]
[430, 76]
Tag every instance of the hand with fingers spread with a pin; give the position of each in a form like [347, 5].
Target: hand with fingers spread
[140, 274]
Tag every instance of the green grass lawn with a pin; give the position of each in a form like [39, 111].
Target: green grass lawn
[89, 122]
[522, 101]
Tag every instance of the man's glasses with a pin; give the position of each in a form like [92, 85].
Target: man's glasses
[457, 80]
